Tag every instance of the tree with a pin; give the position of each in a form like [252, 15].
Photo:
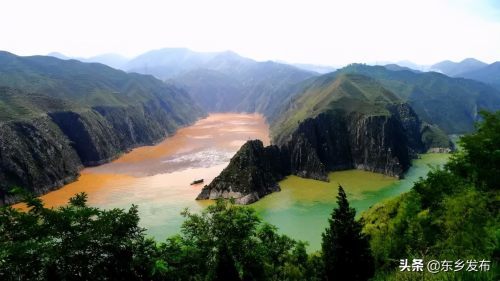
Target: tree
[231, 243]
[479, 157]
[74, 242]
[346, 251]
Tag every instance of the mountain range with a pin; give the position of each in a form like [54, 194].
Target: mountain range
[471, 69]
[345, 122]
[364, 117]
[60, 114]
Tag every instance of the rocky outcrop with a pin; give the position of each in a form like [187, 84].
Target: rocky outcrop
[252, 173]
[342, 141]
[56, 115]
[334, 140]
[45, 153]
[36, 155]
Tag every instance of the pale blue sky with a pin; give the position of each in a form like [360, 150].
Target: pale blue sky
[314, 31]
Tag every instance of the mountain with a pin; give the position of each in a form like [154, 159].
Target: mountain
[395, 67]
[489, 74]
[253, 173]
[168, 62]
[113, 60]
[219, 82]
[412, 65]
[57, 115]
[229, 82]
[450, 103]
[321, 69]
[456, 69]
[335, 123]
[59, 56]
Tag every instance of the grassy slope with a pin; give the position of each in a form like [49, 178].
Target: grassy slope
[346, 92]
[49, 83]
[450, 103]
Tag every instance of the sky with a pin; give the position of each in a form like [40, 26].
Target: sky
[326, 32]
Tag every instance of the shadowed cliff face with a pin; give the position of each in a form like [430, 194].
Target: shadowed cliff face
[35, 154]
[253, 173]
[46, 153]
[334, 140]
[56, 115]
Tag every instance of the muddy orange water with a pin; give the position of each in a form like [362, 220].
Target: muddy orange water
[157, 178]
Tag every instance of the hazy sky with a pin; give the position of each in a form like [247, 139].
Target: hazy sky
[312, 31]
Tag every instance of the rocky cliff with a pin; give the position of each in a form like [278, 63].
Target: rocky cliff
[334, 140]
[254, 172]
[36, 155]
[57, 116]
[44, 153]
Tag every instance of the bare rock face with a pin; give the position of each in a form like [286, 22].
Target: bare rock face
[37, 155]
[43, 154]
[333, 140]
[252, 173]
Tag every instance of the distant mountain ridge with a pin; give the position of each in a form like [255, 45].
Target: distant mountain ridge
[457, 69]
[229, 82]
[321, 69]
[489, 74]
[110, 59]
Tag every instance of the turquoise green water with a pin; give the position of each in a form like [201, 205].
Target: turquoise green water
[302, 208]
[157, 179]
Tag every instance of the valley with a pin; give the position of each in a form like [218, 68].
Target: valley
[157, 179]
[250, 140]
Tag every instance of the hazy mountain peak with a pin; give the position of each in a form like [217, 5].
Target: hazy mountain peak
[321, 69]
[488, 74]
[397, 67]
[58, 55]
[451, 68]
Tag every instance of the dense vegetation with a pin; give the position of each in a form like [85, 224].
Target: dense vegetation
[345, 249]
[78, 242]
[451, 214]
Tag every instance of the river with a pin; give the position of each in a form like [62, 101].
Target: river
[157, 179]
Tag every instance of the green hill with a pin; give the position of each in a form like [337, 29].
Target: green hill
[450, 103]
[56, 115]
[349, 92]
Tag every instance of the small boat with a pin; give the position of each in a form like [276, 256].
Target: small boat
[197, 181]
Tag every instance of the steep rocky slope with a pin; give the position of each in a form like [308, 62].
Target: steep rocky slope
[349, 122]
[57, 116]
[253, 173]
